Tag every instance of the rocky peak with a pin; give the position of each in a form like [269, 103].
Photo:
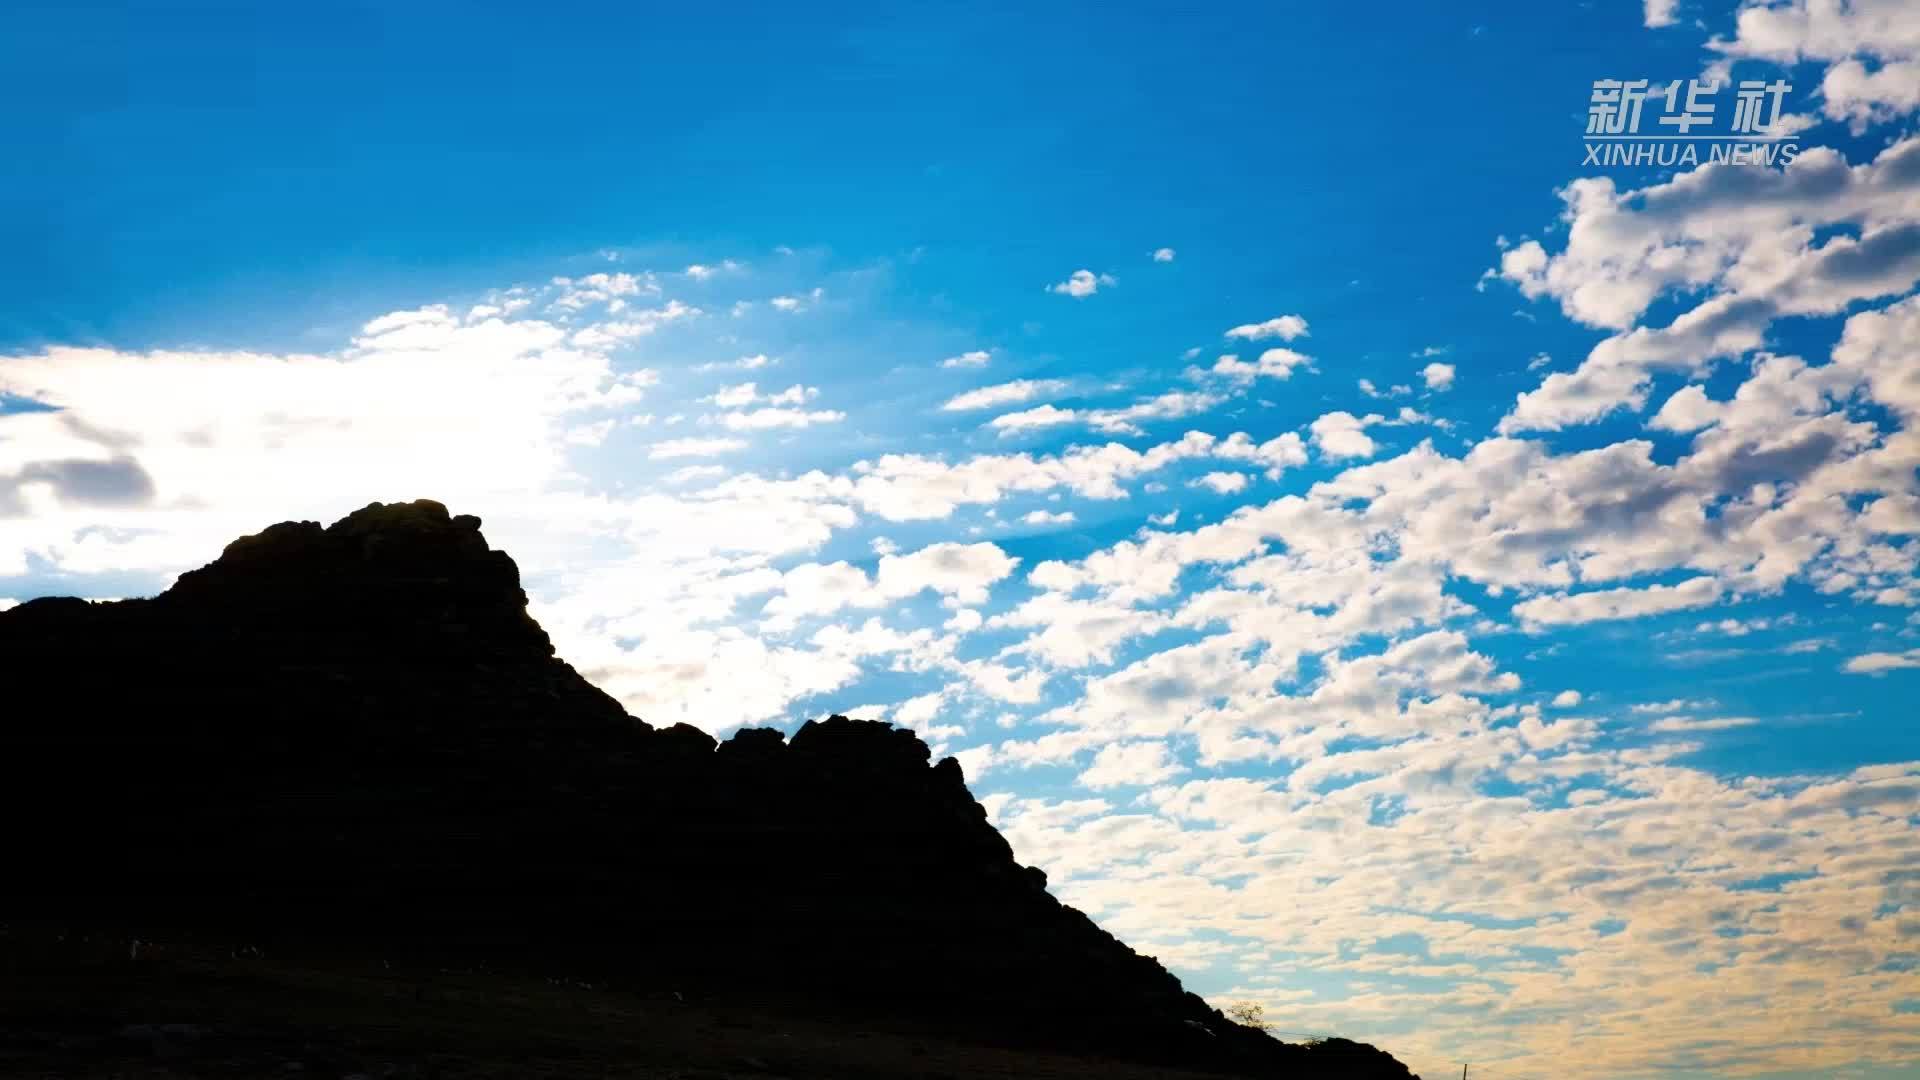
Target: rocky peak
[409, 574]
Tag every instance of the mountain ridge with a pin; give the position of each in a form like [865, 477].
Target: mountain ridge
[356, 736]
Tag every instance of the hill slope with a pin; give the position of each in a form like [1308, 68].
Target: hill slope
[354, 740]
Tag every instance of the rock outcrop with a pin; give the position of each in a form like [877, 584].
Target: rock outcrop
[355, 738]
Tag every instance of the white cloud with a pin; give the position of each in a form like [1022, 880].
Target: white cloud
[972, 359]
[733, 397]
[578, 293]
[745, 363]
[1677, 705]
[679, 448]
[1172, 405]
[693, 474]
[1041, 417]
[1750, 245]
[763, 419]
[1437, 376]
[1689, 409]
[1879, 663]
[1566, 699]
[1131, 765]
[702, 272]
[1884, 32]
[1007, 393]
[912, 487]
[797, 302]
[1564, 609]
[420, 401]
[1163, 255]
[1282, 452]
[1273, 364]
[1127, 420]
[1222, 483]
[1680, 724]
[1344, 435]
[1082, 284]
[744, 394]
[1284, 327]
[960, 573]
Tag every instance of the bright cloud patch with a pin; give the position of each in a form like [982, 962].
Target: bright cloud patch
[1081, 284]
[1564, 608]
[1284, 327]
[1272, 364]
[1010, 393]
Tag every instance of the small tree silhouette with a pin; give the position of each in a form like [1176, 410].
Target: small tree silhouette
[1249, 1014]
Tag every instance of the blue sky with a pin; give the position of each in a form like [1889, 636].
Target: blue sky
[1459, 597]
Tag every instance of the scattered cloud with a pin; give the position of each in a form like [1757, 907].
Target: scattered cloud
[1082, 284]
[1340, 435]
[1284, 327]
[746, 363]
[680, 448]
[1272, 364]
[1686, 724]
[702, 272]
[763, 419]
[1222, 483]
[1131, 765]
[1043, 416]
[1007, 393]
[1879, 663]
[1563, 609]
[798, 302]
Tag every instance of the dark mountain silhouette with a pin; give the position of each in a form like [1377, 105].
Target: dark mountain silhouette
[355, 741]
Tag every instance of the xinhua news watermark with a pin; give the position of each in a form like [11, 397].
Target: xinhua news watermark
[1685, 129]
